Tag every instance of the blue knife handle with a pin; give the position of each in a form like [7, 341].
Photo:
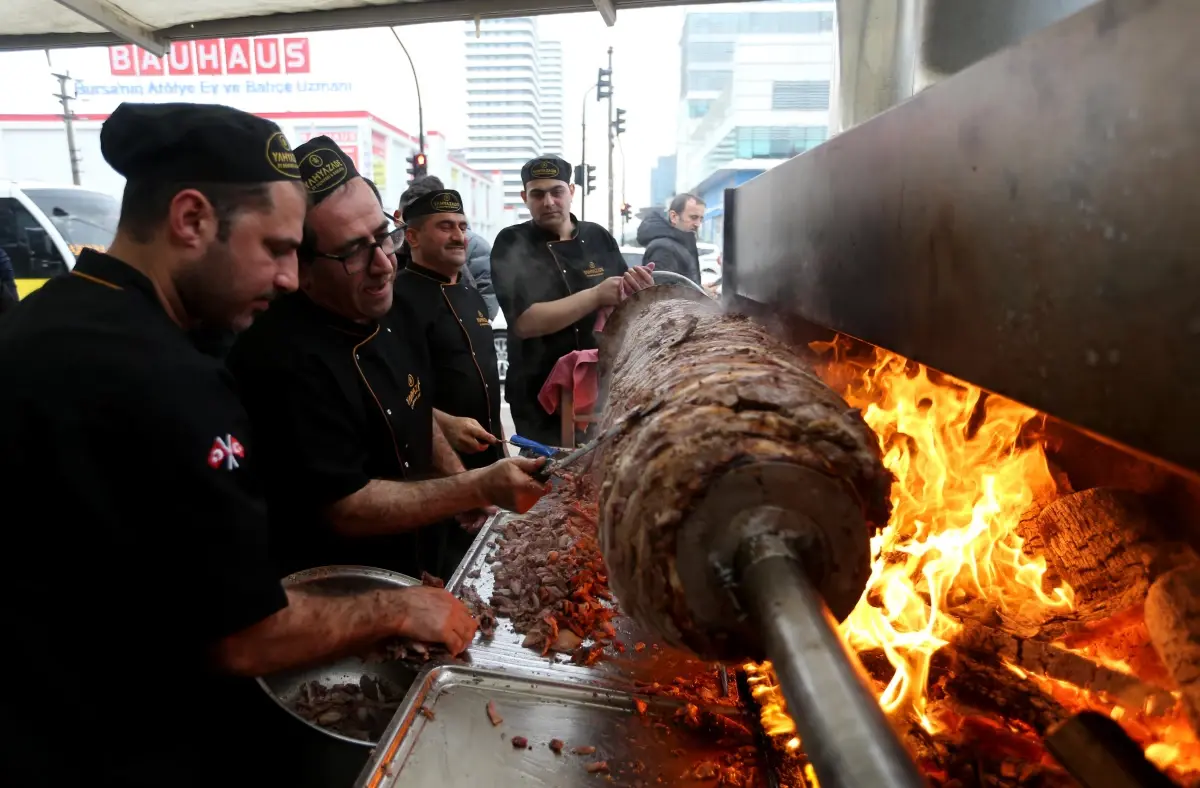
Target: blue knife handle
[534, 446]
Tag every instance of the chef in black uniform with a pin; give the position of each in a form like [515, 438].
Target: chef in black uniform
[340, 397]
[451, 318]
[552, 274]
[144, 600]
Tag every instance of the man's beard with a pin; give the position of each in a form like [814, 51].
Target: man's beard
[205, 291]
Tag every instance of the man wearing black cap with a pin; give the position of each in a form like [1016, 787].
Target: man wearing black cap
[552, 274]
[340, 394]
[144, 563]
[451, 318]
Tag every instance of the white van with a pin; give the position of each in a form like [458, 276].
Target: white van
[44, 227]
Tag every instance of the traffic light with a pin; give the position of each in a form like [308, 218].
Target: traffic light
[604, 84]
[591, 178]
[626, 210]
[580, 174]
[416, 166]
[619, 123]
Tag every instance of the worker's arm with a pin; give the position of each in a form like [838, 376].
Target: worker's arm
[551, 316]
[445, 461]
[386, 507]
[313, 629]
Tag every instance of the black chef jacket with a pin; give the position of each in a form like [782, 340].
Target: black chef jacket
[141, 541]
[452, 321]
[530, 267]
[334, 404]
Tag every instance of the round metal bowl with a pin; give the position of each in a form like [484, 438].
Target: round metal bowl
[285, 687]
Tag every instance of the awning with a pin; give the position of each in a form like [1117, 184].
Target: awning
[153, 24]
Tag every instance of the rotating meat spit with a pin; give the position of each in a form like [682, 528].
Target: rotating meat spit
[736, 518]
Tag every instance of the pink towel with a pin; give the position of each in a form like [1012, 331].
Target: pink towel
[579, 370]
[602, 315]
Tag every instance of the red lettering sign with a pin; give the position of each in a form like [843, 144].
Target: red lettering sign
[266, 56]
[214, 57]
[120, 61]
[149, 65]
[237, 55]
[181, 59]
[208, 57]
[295, 55]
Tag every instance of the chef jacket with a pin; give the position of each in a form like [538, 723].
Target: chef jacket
[451, 319]
[529, 267]
[141, 544]
[334, 404]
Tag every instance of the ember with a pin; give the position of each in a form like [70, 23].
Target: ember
[550, 577]
[976, 645]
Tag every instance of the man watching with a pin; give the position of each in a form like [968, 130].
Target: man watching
[552, 273]
[671, 242]
[477, 272]
[338, 393]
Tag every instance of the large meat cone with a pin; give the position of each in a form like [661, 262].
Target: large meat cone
[739, 423]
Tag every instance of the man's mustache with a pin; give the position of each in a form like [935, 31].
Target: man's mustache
[456, 246]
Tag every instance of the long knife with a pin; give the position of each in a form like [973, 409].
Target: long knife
[549, 469]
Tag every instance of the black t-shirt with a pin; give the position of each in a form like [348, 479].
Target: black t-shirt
[334, 404]
[140, 543]
[452, 320]
[530, 267]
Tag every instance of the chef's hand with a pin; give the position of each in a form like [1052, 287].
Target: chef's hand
[433, 615]
[509, 485]
[608, 292]
[638, 278]
[473, 520]
[465, 434]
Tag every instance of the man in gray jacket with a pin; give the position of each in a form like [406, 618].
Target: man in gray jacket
[479, 252]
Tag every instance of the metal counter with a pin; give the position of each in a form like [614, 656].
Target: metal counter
[542, 698]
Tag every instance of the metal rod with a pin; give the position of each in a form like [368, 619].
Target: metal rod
[843, 732]
[417, 83]
[612, 84]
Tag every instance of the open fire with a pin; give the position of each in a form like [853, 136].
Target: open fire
[960, 587]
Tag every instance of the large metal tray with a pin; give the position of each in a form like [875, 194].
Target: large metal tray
[457, 745]
[629, 671]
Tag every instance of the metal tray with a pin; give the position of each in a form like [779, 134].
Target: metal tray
[629, 671]
[458, 745]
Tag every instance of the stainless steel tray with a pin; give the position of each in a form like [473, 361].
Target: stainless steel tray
[629, 671]
[457, 744]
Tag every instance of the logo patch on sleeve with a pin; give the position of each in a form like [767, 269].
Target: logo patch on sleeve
[225, 452]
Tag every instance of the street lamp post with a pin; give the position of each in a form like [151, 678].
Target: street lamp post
[417, 83]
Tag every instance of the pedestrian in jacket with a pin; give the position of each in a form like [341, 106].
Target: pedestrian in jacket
[670, 240]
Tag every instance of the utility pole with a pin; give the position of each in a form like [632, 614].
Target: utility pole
[611, 180]
[69, 120]
[583, 157]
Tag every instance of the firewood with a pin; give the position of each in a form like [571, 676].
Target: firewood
[1047, 659]
[1173, 619]
[1103, 542]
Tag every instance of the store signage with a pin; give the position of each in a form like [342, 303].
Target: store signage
[215, 57]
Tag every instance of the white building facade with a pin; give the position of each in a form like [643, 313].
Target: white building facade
[514, 100]
[755, 90]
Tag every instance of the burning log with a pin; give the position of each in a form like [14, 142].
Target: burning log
[1173, 618]
[1103, 542]
[733, 399]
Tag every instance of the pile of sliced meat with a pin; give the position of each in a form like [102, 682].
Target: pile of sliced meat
[404, 649]
[550, 578]
[360, 711]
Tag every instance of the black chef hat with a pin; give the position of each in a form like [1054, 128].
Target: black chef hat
[546, 168]
[195, 142]
[441, 201]
[324, 167]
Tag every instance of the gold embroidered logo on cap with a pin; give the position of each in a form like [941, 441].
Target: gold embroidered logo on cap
[328, 170]
[445, 203]
[544, 169]
[281, 157]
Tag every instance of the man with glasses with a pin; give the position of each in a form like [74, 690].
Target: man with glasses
[340, 398]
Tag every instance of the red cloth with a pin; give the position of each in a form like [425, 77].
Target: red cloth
[602, 315]
[578, 369]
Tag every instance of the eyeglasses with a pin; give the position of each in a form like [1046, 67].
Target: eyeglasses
[358, 260]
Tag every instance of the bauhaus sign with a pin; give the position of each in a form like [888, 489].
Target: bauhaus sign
[215, 57]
